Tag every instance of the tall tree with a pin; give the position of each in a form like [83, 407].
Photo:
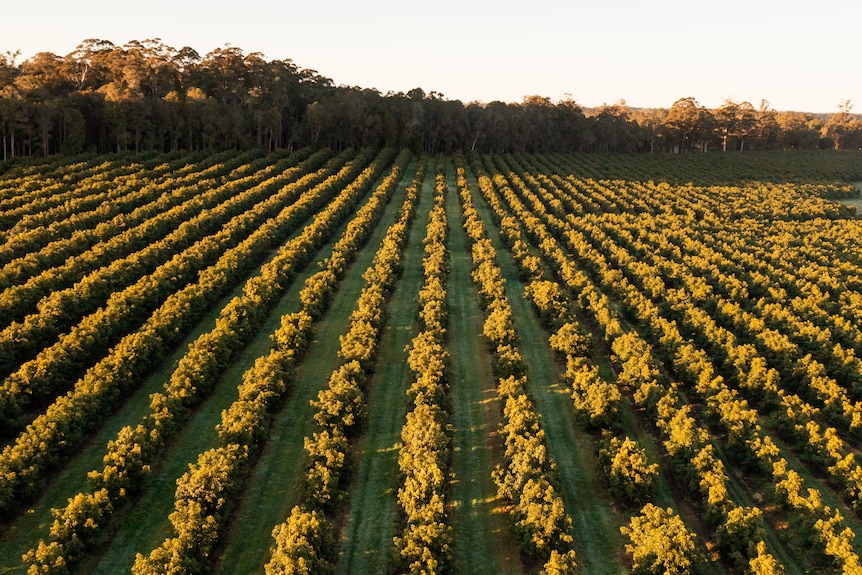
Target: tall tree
[687, 125]
[842, 129]
[614, 129]
[8, 72]
[798, 131]
[650, 122]
[736, 121]
[86, 65]
[766, 128]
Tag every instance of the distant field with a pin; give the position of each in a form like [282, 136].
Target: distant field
[855, 202]
[450, 363]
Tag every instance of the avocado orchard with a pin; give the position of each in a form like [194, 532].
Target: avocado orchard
[703, 336]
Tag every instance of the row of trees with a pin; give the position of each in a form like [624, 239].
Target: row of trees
[732, 308]
[665, 546]
[340, 408]
[124, 225]
[424, 545]
[828, 532]
[147, 95]
[129, 456]
[39, 448]
[65, 205]
[744, 438]
[743, 331]
[245, 423]
[528, 476]
[77, 253]
[626, 469]
[798, 418]
[119, 300]
[304, 542]
[660, 542]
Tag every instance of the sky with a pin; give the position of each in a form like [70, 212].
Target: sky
[797, 55]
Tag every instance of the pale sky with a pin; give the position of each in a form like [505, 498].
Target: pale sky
[798, 55]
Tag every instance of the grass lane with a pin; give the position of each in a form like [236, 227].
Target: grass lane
[25, 531]
[482, 543]
[366, 541]
[597, 540]
[274, 485]
[147, 525]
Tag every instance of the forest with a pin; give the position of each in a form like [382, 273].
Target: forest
[145, 95]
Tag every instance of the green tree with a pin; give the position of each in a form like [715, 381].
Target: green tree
[660, 543]
[304, 545]
[841, 128]
[764, 563]
[735, 121]
[630, 473]
[595, 400]
[798, 130]
[738, 535]
[560, 564]
[687, 125]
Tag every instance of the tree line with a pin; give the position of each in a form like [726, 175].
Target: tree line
[145, 95]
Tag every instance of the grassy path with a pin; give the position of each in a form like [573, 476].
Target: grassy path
[668, 492]
[596, 516]
[26, 530]
[481, 539]
[366, 541]
[273, 486]
[597, 540]
[146, 525]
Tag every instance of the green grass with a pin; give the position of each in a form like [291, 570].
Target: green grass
[146, 525]
[854, 202]
[597, 539]
[482, 543]
[25, 530]
[366, 543]
[274, 485]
